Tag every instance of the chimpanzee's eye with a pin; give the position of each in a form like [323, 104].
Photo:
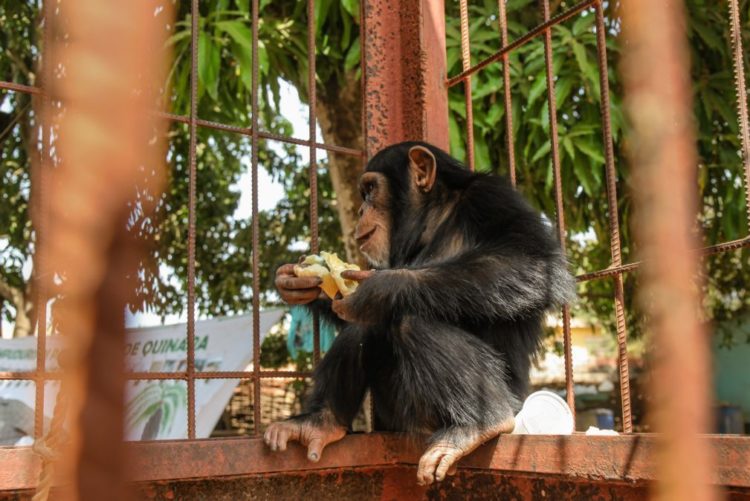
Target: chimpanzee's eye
[367, 189]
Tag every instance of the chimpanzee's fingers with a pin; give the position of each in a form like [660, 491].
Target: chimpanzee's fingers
[452, 470]
[285, 269]
[315, 449]
[337, 305]
[275, 437]
[287, 282]
[301, 296]
[447, 462]
[357, 275]
[282, 440]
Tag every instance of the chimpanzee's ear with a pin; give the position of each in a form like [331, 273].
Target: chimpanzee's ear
[423, 166]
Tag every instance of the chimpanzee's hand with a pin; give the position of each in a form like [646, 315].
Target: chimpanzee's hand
[294, 289]
[342, 305]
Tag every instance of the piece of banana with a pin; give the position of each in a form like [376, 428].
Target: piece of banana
[328, 267]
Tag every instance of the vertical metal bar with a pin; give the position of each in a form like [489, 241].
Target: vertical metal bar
[404, 72]
[555, 149]
[741, 89]
[466, 60]
[503, 21]
[256, 223]
[312, 97]
[656, 70]
[90, 241]
[614, 221]
[190, 374]
[42, 169]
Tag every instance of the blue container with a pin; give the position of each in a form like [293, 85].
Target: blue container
[605, 419]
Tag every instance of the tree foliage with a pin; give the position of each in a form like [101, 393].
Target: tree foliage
[581, 142]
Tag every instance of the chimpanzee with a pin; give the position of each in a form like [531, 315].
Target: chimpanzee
[442, 331]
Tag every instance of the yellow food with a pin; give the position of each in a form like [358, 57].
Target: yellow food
[328, 267]
[337, 266]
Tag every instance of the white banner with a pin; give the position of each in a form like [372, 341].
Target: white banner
[155, 409]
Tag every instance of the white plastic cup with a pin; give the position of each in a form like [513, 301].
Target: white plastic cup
[544, 413]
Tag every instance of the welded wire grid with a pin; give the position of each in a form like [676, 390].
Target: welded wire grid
[40, 375]
[617, 268]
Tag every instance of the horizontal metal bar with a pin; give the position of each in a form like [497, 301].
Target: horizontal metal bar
[248, 131]
[139, 376]
[29, 375]
[624, 458]
[528, 36]
[217, 375]
[26, 89]
[706, 251]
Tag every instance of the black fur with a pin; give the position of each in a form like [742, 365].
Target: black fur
[450, 331]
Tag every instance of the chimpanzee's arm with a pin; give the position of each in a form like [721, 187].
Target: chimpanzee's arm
[475, 285]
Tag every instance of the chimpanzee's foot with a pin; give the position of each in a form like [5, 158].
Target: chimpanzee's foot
[450, 445]
[313, 432]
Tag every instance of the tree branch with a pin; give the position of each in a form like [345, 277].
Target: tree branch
[10, 293]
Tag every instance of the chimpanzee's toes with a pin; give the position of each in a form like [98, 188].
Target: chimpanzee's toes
[435, 463]
[278, 434]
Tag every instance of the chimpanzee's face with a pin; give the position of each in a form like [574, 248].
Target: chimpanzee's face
[374, 227]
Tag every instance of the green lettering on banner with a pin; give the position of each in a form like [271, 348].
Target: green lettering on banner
[18, 354]
[202, 343]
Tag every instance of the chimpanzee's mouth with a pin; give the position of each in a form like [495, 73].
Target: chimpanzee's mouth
[362, 239]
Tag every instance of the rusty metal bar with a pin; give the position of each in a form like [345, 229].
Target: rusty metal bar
[194, 36]
[404, 70]
[503, 23]
[530, 35]
[27, 89]
[614, 220]
[54, 375]
[614, 460]
[656, 69]
[466, 61]
[312, 118]
[255, 110]
[248, 131]
[741, 89]
[705, 251]
[108, 87]
[561, 229]
[41, 169]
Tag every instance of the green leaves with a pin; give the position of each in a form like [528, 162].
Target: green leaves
[240, 32]
[209, 60]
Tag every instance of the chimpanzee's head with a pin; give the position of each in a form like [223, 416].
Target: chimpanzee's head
[399, 184]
